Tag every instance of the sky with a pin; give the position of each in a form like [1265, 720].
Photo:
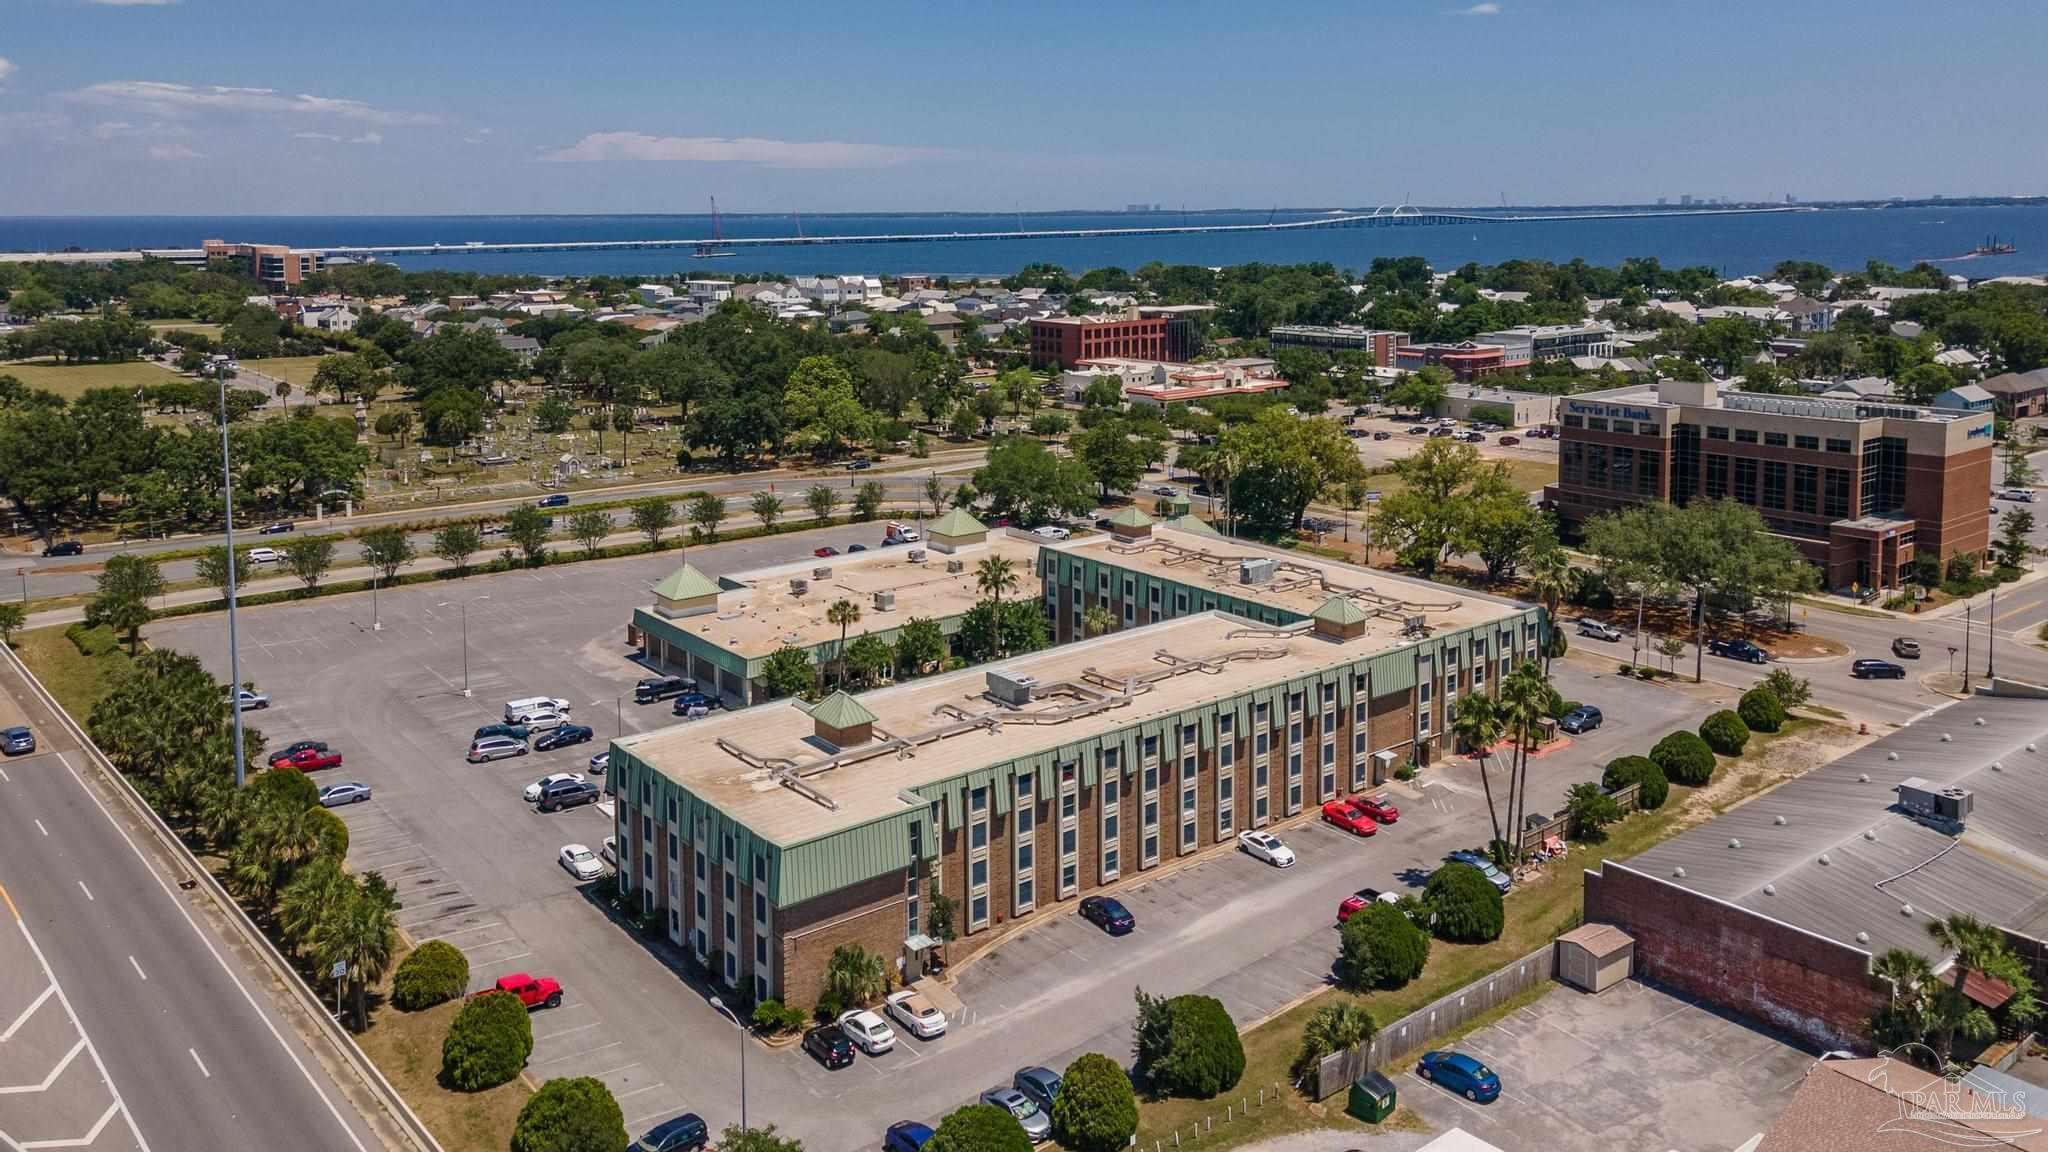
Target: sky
[197, 107]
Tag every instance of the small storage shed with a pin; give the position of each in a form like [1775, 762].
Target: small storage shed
[1595, 957]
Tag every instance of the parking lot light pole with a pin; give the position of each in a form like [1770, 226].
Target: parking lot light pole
[465, 637]
[227, 490]
[728, 1013]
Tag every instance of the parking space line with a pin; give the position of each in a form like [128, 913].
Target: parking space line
[509, 959]
[567, 1031]
[138, 968]
[461, 931]
[636, 1121]
[486, 944]
[87, 891]
[580, 1054]
[201, 1063]
[640, 1091]
[616, 1071]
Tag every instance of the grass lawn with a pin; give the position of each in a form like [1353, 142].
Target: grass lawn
[74, 678]
[71, 380]
[1537, 912]
[196, 327]
[406, 1046]
[297, 369]
[1527, 475]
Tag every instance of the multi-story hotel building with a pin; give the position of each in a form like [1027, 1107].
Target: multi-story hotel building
[1862, 488]
[1240, 689]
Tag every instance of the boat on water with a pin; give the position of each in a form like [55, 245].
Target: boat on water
[1993, 246]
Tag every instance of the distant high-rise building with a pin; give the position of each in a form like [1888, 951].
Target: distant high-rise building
[1685, 201]
[1791, 199]
[1660, 201]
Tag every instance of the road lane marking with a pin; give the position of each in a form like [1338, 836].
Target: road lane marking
[165, 886]
[40, 828]
[201, 1063]
[119, 1104]
[138, 968]
[5, 777]
[87, 891]
[26, 1013]
[18, 1089]
[11, 909]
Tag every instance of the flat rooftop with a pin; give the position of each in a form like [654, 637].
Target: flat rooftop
[756, 620]
[1880, 861]
[691, 755]
[1301, 583]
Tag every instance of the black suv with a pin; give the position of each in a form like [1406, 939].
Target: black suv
[65, 548]
[1738, 650]
[830, 1045]
[568, 794]
[652, 688]
[1877, 670]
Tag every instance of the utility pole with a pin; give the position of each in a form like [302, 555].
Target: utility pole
[1966, 649]
[1991, 640]
[227, 489]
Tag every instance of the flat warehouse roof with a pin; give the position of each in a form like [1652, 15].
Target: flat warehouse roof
[946, 726]
[1300, 583]
[756, 620]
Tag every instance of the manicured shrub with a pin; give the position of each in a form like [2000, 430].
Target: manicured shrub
[1685, 759]
[774, 1017]
[572, 1114]
[1382, 948]
[1589, 811]
[332, 832]
[434, 973]
[979, 1128]
[1466, 904]
[1203, 1052]
[1640, 770]
[487, 1044]
[1761, 710]
[1725, 733]
[1096, 1110]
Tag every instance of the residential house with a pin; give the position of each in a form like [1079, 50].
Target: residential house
[525, 348]
[1805, 314]
[1965, 398]
[654, 293]
[2020, 394]
[706, 291]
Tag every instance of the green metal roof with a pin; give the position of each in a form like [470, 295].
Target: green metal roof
[1131, 517]
[840, 710]
[1195, 524]
[1341, 610]
[686, 583]
[956, 523]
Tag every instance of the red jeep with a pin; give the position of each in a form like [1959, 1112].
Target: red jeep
[533, 991]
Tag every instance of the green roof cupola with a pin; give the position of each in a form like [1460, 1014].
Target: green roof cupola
[843, 721]
[1341, 618]
[955, 530]
[686, 592]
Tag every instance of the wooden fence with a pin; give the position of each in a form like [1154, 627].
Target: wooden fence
[1446, 1015]
[1533, 837]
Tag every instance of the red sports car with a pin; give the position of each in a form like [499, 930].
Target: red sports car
[1350, 817]
[1357, 901]
[1378, 808]
[309, 760]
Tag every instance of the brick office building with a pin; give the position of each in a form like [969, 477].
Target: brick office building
[1464, 360]
[1377, 343]
[1065, 341]
[765, 839]
[1776, 908]
[1862, 488]
[276, 265]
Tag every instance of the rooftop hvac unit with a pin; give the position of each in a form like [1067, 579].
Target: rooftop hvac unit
[798, 586]
[955, 567]
[1012, 690]
[821, 573]
[917, 555]
[1255, 570]
[1952, 804]
[885, 601]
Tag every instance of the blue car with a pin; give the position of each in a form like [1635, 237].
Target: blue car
[690, 700]
[1487, 868]
[685, 1133]
[906, 1136]
[1461, 1074]
[17, 741]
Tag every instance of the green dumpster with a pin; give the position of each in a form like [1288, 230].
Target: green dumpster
[1372, 1098]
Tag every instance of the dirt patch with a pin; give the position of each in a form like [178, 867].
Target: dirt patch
[1793, 751]
[406, 1047]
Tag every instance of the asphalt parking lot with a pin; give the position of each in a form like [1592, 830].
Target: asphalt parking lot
[1634, 1067]
[476, 865]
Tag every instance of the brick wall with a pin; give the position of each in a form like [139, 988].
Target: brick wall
[870, 914]
[1768, 971]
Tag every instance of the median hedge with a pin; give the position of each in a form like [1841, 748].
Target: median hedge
[1685, 758]
[1467, 905]
[1382, 948]
[487, 1044]
[1761, 709]
[434, 973]
[572, 1114]
[1623, 771]
[1725, 733]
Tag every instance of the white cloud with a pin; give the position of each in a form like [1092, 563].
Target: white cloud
[172, 152]
[132, 3]
[173, 100]
[321, 137]
[368, 138]
[112, 129]
[6, 69]
[1487, 9]
[599, 146]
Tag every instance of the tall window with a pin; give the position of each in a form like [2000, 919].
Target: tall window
[1025, 817]
[1070, 831]
[1112, 831]
[1190, 759]
[1226, 779]
[977, 859]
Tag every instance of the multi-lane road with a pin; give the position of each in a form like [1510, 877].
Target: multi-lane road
[126, 1021]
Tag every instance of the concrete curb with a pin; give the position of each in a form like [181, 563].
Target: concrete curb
[303, 998]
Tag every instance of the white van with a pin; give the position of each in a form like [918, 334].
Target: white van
[528, 705]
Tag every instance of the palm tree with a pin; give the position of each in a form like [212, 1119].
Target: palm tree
[1977, 946]
[994, 576]
[310, 898]
[1333, 1028]
[1097, 621]
[855, 975]
[1524, 702]
[1905, 977]
[846, 614]
[358, 932]
[1476, 722]
[1550, 579]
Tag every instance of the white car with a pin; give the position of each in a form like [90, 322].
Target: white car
[534, 789]
[1051, 532]
[335, 795]
[580, 862]
[1166, 490]
[609, 851]
[525, 705]
[2023, 495]
[868, 1031]
[910, 1009]
[246, 701]
[545, 720]
[1266, 846]
[264, 556]
[600, 762]
[1599, 630]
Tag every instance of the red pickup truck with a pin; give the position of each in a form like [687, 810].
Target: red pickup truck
[309, 759]
[533, 991]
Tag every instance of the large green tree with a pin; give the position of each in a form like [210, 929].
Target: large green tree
[1281, 463]
[1024, 480]
[1447, 490]
[125, 585]
[570, 1114]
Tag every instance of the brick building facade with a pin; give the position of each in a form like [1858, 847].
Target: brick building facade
[1064, 341]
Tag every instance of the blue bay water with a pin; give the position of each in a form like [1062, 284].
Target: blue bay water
[1734, 245]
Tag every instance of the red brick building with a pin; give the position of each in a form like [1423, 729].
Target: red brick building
[1464, 360]
[1067, 340]
[276, 265]
[1861, 488]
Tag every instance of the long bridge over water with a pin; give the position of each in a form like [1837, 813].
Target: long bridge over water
[1383, 217]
